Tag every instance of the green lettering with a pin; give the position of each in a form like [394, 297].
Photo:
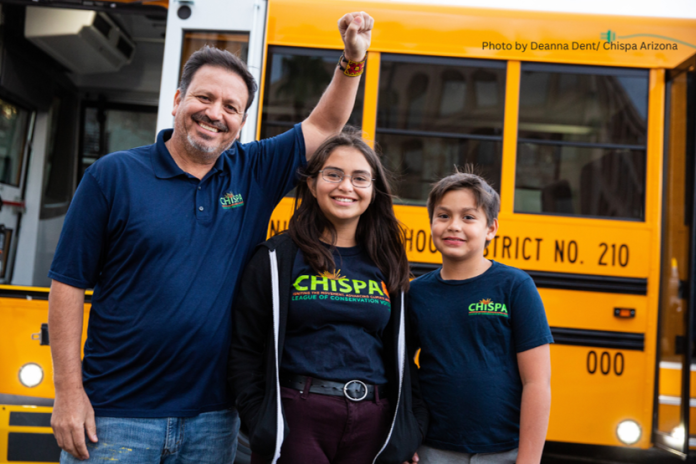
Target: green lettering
[324, 282]
[333, 285]
[345, 286]
[497, 306]
[358, 285]
[504, 309]
[374, 287]
[297, 283]
[470, 307]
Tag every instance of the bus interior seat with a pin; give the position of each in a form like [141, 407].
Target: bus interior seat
[613, 185]
[557, 198]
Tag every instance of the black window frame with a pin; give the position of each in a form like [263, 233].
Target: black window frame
[103, 106]
[332, 53]
[27, 136]
[445, 61]
[595, 71]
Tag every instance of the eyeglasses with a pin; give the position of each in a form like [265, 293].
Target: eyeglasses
[336, 176]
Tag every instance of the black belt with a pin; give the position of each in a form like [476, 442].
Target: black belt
[354, 390]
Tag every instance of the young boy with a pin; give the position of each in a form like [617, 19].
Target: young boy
[485, 365]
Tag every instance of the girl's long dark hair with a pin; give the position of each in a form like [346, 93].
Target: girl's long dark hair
[378, 232]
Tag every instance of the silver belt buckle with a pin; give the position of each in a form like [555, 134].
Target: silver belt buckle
[345, 390]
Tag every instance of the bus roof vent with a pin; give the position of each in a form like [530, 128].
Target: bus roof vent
[85, 42]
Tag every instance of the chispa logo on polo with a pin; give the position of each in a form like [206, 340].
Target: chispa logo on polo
[488, 307]
[230, 200]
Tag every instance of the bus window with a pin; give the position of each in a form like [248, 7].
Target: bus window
[14, 125]
[115, 127]
[582, 141]
[237, 43]
[295, 80]
[435, 113]
[59, 174]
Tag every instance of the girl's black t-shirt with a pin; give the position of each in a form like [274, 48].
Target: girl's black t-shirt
[336, 320]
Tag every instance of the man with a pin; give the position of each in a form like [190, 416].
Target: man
[161, 233]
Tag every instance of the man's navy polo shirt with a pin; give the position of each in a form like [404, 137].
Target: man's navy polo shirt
[164, 252]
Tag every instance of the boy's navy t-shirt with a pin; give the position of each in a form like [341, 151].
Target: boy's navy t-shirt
[164, 251]
[470, 332]
[336, 320]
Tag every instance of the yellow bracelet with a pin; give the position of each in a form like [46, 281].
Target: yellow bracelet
[352, 68]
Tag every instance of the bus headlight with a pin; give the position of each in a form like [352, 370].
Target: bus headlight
[677, 436]
[30, 375]
[628, 432]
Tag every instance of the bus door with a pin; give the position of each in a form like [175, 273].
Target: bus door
[16, 124]
[238, 27]
[675, 400]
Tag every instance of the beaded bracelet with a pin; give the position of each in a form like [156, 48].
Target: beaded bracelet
[352, 68]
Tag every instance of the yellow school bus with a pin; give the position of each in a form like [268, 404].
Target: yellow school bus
[585, 124]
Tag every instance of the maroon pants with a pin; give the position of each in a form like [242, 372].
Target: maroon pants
[332, 429]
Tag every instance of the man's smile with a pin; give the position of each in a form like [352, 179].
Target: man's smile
[207, 124]
[207, 127]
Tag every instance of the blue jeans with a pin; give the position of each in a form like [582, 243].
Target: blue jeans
[209, 438]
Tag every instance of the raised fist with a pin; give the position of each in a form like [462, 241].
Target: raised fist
[356, 32]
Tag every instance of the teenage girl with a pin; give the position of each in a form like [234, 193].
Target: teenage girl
[318, 363]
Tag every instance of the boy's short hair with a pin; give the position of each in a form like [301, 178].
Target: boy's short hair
[486, 198]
